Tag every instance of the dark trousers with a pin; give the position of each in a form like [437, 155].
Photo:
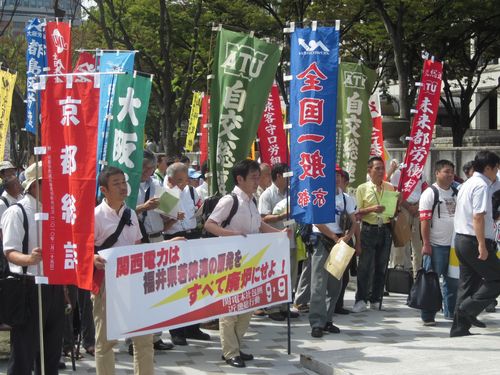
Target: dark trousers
[24, 340]
[345, 279]
[479, 283]
[375, 250]
[87, 328]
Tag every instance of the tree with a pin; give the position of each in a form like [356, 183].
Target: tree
[466, 39]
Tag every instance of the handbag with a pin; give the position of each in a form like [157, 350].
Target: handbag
[17, 291]
[401, 230]
[425, 293]
[398, 281]
[345, 221]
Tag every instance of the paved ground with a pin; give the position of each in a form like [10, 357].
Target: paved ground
[376, 342]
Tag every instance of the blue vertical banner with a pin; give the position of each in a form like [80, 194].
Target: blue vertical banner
[117, 61]
[35, 63]
[313, 109]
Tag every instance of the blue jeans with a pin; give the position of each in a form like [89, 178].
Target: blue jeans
[438, 262]
[375, 250]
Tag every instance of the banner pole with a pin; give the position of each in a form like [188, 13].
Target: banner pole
[287, 195]
[39, 268]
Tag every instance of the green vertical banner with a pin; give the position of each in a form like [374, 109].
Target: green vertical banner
[354, 123]
[243, 69]
[126, 132]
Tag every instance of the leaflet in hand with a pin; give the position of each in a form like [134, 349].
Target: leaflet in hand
[169, 202]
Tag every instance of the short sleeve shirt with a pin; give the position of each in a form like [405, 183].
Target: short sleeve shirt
[268, 200]
[187, 205]
[3, 206]
[367, 196]
[474, 197]
[13, 230]
[106, 222]
[152, 220]
[442, 218]
[247, 218]
[339, 207]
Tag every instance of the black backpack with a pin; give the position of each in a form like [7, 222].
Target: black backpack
[208, 207]
[436, 198]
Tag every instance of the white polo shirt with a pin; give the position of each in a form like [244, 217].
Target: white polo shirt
[152, 220]
[416, 193]
[13, 230]
[186, 205]
[474, 197]
[106, 222]
[247, 218]
[268, 200]
[339, 207]
[12, 200]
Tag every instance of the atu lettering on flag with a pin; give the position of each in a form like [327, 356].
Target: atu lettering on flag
[244, 69]
[422, 127]
[272, 137]
[354, 120]
[126, 132]
[69, 126]
[313, 108]
[156, 286]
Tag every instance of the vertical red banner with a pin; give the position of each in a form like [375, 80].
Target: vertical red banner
[69, 135]
[422, 127]
[272, 136]
[58, 35]
[377, 147]
[205, 113]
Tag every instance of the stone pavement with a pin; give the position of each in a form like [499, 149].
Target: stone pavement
[376, 342]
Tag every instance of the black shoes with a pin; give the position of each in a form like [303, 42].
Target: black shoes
[471, 319]
[160, 345]
[244, 356]
[282, 315]
[277, 316]
[342, 311]
[329, 327]
[198, 335]
[179, 340]
[131, 349]
[236, 361]
[317, 332]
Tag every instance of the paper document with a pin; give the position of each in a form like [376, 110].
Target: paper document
[390, 201]
[169, 202]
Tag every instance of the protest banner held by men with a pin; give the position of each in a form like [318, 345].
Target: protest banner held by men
[116, 227]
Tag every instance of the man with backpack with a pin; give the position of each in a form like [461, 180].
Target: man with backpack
[245, 220]
[437, 212]
[21, 248]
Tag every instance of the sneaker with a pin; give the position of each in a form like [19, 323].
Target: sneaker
[490, 308]
[277, 316]
[359, 306]
[429, 323]
[317, 332]
[374, 305]
[304, 308]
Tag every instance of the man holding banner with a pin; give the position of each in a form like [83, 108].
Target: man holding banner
[19, 222]
[115, 225]
[246, 220]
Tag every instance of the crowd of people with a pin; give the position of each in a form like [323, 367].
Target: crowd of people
[440, 213]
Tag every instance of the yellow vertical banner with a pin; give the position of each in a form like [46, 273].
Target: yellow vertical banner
[193, 121]
[7, 82]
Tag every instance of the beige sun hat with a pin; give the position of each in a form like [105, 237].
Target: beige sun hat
[32, 173]
[6, 165]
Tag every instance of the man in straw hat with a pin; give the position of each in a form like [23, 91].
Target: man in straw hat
[24, 338]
